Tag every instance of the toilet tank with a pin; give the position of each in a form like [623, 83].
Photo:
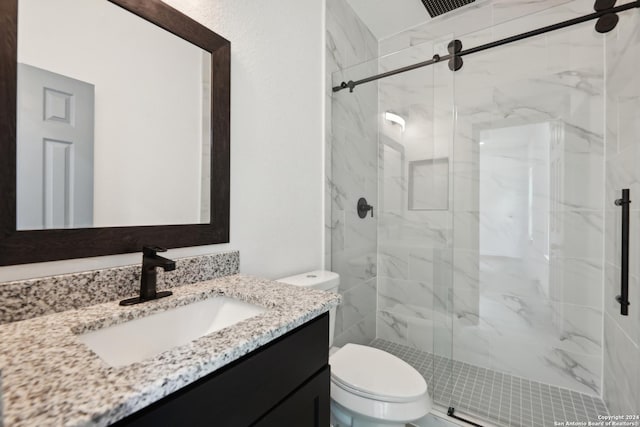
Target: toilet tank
[322, 280]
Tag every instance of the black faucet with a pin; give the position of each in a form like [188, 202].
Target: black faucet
[150, 261]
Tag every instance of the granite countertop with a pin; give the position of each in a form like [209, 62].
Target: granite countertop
[51, 379]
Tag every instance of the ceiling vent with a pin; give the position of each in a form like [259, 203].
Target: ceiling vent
[439, 7]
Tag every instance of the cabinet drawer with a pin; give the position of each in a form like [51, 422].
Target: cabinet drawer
[240, 393]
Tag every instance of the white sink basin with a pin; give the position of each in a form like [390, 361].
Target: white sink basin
[140, 339]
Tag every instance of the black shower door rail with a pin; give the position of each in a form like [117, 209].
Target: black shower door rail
[607, 20]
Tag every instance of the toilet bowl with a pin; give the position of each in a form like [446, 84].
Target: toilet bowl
[369, 387]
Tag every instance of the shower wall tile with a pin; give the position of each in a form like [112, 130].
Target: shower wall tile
[352, 160]
[473, 344]
[360, 333]
[581, 281]
[583, 184]
[406, 298]
[357, 303]
[621, 370]
[580, 234]
[336, 228]
[415, 229]
[575, 371]
[514, 315]
[360, 232]
[623, 171]
[466, 307]
[502, 275]
[356, 114]
[420, 334]
[535, 348]
[393, 261]
[355, 266]
[351, 41]
[421, 264]
[392, 327]
[431, 335]
[579, 329]
[466, 226]
[466, 267]
[629, 324]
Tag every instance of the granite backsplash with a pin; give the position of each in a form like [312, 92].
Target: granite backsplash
[26, 299]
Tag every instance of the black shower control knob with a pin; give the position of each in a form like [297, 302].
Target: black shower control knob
[363, 207]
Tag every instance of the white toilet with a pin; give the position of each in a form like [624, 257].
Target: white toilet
[369, 387]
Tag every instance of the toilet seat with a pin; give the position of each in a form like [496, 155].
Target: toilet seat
[377, 384]
[376, 374]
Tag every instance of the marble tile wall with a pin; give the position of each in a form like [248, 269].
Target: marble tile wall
[537, 312]
[352, 150]
[622, 333]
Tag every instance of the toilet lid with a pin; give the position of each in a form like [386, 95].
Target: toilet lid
[376, 374]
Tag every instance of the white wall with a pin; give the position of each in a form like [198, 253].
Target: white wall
[276, 138]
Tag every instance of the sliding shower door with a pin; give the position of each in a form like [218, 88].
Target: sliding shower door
[528, 167]
[391, 144]
[415, 224]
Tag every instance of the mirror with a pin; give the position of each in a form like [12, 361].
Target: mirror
[112, 125]
[115, 129]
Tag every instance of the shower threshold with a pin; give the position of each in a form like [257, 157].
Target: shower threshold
[499, 398]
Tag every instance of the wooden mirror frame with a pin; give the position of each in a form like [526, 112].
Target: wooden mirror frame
[22, 247]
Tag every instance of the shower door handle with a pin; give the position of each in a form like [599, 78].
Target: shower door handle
[623, 298]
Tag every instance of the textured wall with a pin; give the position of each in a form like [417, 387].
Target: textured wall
[351, 131]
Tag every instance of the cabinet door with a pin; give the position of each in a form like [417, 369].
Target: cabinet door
[306, 407]
[244, 391]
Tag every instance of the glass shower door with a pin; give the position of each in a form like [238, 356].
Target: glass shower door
[415, 217]
[528, 221]
[400, 161]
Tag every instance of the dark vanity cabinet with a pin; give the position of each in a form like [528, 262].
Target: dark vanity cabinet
[283, 383]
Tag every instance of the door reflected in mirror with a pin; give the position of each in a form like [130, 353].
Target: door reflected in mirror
[113, 120]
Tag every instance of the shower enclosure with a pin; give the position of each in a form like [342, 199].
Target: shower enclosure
[493, 259]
